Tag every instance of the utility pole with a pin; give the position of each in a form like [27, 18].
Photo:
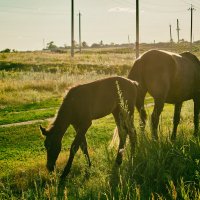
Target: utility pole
[170, 30]
[44, 44]
[72, 28]
[80, 31]
[191, 29]
[137, 29]
[178, 29]
[128, 39]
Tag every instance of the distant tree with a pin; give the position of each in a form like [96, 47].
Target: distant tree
[6, 51]
[112, 44]
[101, 43]
[76, 44]
[95, 45]
[51, 45]
[197, 42]
[84, 44]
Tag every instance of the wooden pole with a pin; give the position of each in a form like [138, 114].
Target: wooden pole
[72, 28]
[79, 31]
[137, 29]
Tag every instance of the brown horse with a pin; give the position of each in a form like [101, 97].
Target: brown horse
[81, 105]
[169, 78]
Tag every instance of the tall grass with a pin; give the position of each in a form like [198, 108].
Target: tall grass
[25, 87]
[159, 170]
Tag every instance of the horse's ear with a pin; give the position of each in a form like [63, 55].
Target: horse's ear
[43, 130]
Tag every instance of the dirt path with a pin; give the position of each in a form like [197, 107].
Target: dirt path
[25, 123]
[42, 120]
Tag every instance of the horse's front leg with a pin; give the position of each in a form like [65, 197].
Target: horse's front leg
[176, 120]
[196, 116]
[74, 148]
[158, 107]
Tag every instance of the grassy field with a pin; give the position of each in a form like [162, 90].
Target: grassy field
[32, 85]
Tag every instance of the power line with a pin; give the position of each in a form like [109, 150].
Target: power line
[18, 9]
[160, 4]
[163, 11]
[123, 2]
[183, 1]
[189, 3]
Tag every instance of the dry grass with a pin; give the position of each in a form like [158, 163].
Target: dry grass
[24, 87]
[43, 58]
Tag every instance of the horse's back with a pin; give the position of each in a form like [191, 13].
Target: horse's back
[98, 99]
[155, 70]
[166, 75]
[106, 96]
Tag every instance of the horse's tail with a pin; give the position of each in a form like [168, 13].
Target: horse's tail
[136, 71]
[115, 138]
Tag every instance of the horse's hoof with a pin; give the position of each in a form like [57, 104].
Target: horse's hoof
[63, 177]
[155, 137]
[173, 138]
[118, 161]
[195, 134]
[61, 181]
[89, 164]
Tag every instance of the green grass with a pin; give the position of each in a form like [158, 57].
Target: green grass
[24, 116]
[161, 169]
[32, 86]
[28, 112]
[49, 103]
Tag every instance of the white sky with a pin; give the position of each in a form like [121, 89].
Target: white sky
[25, 23]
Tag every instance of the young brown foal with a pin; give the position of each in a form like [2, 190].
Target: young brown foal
[81, 105]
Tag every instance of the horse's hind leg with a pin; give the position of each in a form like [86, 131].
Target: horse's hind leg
[196, 115]
[122, 136]
[132, 136]
[122, 141]
[158, 107]
[85, 150]
[141, 109]
[176, 120]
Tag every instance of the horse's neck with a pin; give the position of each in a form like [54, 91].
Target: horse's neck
[61, 122]
[59, 128]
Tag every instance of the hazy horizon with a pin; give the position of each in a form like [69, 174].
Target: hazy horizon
[25, 25]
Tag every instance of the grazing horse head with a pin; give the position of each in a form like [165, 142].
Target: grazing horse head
[53, 147]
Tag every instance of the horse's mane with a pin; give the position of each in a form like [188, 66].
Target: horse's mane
[192, 57]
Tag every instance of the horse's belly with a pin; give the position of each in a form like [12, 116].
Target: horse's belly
[174, 100]
[180, 96]
[182, 89]
[102, 110]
